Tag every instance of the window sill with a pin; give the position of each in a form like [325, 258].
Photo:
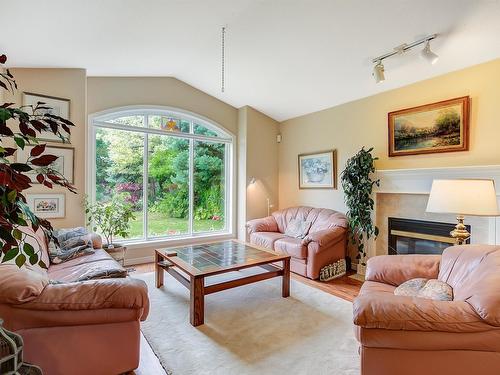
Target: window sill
[177, 241]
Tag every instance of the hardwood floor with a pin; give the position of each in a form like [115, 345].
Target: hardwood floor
[343, 287]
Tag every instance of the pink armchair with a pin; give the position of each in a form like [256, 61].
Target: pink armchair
[407, 335]
[325, 243]
[86, 327]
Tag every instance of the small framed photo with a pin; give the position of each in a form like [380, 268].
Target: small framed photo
[47, 205]
[318, 170]
[64, 164]
[59, 107]
[431, 128]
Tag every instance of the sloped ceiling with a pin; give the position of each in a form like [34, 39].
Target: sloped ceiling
[285, 57]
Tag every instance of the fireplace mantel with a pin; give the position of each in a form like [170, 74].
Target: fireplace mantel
[419, 181]
[406, 182]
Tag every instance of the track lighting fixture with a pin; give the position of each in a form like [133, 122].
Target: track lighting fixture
[427, 54]
[378, 72]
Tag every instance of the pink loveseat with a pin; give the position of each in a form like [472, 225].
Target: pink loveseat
[325, 242]
[77, 328]
[413, 336]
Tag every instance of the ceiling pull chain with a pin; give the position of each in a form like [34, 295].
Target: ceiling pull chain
[223, 59]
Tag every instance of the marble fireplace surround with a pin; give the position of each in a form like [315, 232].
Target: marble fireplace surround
[403, 193]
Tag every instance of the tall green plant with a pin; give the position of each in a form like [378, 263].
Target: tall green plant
[358, 188]
[112, 218]
[21, 127]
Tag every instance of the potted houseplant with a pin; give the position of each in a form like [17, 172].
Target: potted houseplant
[111, 219]
[358, 187]
[22, 127]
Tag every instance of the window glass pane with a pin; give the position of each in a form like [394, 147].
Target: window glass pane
[168, 187]
[129, 120]
[168, 123]
[203, 130]
[119, 171]
[209, 186]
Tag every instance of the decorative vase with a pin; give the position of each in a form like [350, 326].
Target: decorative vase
[361, 269]
[315, 177]
[117, 251]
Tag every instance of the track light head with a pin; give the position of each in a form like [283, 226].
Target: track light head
[428, 55]
[378, 72]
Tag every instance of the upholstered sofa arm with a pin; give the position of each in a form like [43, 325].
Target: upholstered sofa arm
[415, 314]
[93, 294]
[266, 224]
[325, 237]
[396, 269]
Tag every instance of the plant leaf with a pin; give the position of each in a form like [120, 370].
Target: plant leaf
[37, 150]
[20, 260]
[44, 160]
[10, 254]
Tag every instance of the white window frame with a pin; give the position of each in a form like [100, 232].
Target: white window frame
[100, 120]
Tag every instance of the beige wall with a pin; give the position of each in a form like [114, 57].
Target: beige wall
[350, 126]
[104, 93]
[69, 84]
[111, 92]
[258, 158]
[262, 163]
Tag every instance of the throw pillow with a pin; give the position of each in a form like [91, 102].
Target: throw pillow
[424, 288]
[297, 228]
[72, 244]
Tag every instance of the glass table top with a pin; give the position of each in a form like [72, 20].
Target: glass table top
[220, 255]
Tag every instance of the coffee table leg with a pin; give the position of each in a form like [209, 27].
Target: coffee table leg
[285, 283]
[197, 305]
[158, 271]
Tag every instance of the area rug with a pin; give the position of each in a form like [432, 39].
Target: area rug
[252, 330]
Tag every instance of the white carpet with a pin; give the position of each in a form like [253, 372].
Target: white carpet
[252, 330]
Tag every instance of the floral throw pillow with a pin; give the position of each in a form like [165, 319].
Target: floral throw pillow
[425, 288]
[297, 228]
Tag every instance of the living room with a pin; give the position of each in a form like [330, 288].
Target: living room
[299, 186]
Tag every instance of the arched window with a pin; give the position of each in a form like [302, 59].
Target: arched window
[171, 166]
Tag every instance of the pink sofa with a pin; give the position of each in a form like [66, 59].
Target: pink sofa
[88, 327]
[407, 335]
[325, 243]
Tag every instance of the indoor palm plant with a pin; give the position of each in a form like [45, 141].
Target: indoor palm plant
[358, 187]
[21, 127]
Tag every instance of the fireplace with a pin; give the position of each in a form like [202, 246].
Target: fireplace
[408, 236]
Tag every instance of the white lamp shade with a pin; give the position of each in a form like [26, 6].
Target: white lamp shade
[463, 197]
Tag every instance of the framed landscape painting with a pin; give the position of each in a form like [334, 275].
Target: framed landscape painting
[318, 170]
[58, 107]
[431, 128]
[47, 205]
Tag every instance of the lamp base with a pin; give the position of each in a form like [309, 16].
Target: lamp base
[460, 233]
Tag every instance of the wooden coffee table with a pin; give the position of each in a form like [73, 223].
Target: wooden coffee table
[190, 265]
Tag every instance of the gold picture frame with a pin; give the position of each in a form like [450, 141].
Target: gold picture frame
[431, 128]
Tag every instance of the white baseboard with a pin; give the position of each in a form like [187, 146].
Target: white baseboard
[134, 261]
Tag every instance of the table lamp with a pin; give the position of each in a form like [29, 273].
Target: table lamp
[463, 197]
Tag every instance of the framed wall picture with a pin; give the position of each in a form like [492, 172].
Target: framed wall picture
[318, 170]
[59, 107]
[47, 205]
[64, 164]
[430, 128]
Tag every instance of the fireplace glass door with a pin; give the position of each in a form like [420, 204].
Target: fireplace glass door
[408, 236]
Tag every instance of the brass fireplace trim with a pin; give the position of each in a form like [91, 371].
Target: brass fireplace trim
[422, 236]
